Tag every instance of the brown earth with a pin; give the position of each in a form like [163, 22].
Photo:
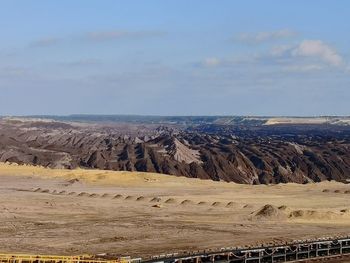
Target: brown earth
[39, 215]
[222, 153]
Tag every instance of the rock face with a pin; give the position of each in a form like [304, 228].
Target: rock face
[251, 156]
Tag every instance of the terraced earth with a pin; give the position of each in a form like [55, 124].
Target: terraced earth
[250, 153]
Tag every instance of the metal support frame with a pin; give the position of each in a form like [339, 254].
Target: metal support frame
[297, 251]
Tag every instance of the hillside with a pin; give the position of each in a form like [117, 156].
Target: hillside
[239, 153]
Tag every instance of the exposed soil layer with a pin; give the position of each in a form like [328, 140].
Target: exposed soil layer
[250, 155]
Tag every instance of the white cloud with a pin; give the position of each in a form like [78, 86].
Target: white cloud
[303, 68]
[211, 62]
[306, 56]
[278, 51]
[313, 54]
[116, 34]
[266, 36]
[318, 49]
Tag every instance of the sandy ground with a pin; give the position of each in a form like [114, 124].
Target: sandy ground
[142, 214]
[308, 120]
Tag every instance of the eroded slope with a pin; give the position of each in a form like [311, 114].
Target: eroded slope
[266, 155]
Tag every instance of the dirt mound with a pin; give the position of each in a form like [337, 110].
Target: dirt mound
[216, 204]
[72, 193]
[170, 201]
[45, 191]
[312, 214]
[157, 206]
[105, 195]
[202, 203]
[283, 207]
[347, 192]
[118, 196]
[337, 191]
[37, 190]
[186, 202]
[83, 194]
[325, 191]
[129, 197]
[156, 199]
[231, 204]
[140, 198]
[70, 182]
[62, 192]
[268, 212]
[93, 195]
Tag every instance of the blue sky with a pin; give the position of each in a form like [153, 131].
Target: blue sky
[183, 57]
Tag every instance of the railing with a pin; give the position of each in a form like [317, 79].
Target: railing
[288, 252]
[23, 258]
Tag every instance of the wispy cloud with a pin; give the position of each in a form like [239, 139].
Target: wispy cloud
[281, 50]
[97, 36]
[307, 56]
[303, 68]
[211, 62]
[9, 71]
[118, 34]
[318, 49]
[45, 42]
[265, 36]
[81, 62]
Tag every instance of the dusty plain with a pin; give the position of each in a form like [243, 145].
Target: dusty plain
[71, 212]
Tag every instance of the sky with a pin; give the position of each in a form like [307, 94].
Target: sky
[179, 57]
